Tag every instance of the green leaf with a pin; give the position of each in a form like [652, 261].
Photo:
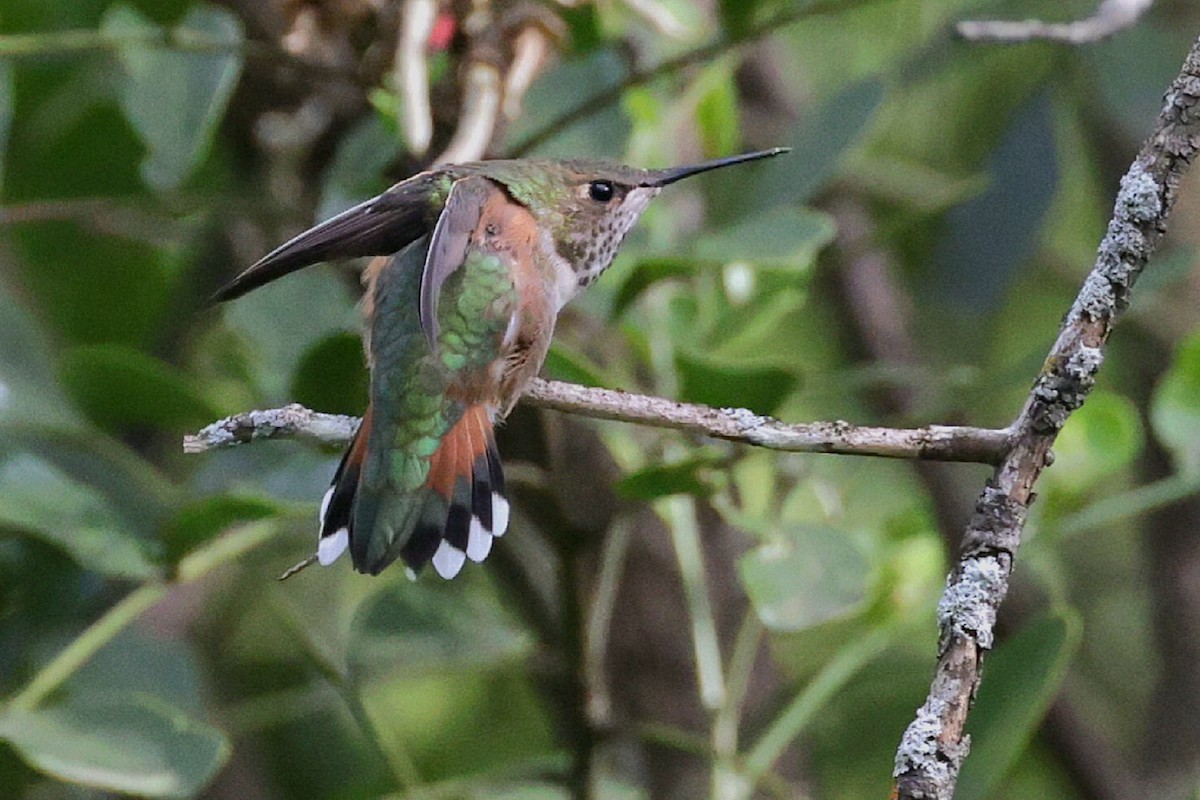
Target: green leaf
[1023, 677]
[430, 626]
[6, 115]
[195, 87]
[782, 236]
[331, 375]
[45, 503]
[818, 145]
[1175, 410]
[1101, 437]
[199, 522]
[717, 116]
[721, 385]
[812, 575]
[117, 386]
[28, 385]
[660, 480]
[133, 489]
[122, 743]
[563, 364]
[646, 273]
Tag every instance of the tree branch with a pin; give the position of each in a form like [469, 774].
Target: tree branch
[933, 442]
[934, 745]
[1112, 16]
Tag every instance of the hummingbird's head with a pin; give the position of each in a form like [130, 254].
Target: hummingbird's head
[587, 207]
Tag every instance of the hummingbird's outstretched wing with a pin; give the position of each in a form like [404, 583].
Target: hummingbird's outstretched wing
[448, 245]
[380, 226]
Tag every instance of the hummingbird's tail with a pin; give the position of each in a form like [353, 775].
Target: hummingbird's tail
[454, 516]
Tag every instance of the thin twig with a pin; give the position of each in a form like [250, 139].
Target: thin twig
[933, 442]
[934, 745]
[185, 40]
[417, 19]
[719, 46]
[1112, 16]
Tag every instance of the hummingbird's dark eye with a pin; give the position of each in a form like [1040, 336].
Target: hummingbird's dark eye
[601, 191]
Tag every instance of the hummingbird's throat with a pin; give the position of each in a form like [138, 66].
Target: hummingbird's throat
[596, 247]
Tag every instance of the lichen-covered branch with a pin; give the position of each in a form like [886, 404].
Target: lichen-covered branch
[934, 746]
[1111, 17]
[933, 442]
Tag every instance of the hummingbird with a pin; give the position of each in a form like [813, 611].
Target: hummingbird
[473, 263]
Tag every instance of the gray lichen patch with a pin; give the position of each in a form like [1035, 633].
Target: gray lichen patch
[1139, 197]
[919, 744]
[968, 606]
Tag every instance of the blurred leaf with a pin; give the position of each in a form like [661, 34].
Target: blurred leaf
[1023, 677]
[28, 386]
[1121, 69]
[783, 236]
[660, 480]
[430, 626]
[1175, 409]
[142, 661]
[195, 86]
[813, 574]
[818, 144]
[199, 522]
[646, 273]
[563, 87]
[750, 332]
[116, 386]
[133, 489]
[40, 499]
[717, 109]
[95, 288]
[281, 322]
[358, 167]
[123, 743]
[6, 115]
[988, 237]
[564, 365]
[1102, 437]
[331, 376]
[718, 384]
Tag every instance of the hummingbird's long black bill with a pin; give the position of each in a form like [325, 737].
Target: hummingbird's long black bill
[662, 177]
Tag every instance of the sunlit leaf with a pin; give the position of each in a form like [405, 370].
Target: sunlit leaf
[194, 86]
[1175, 411]
[1100, 438]
[122, 743]
[116, 385]
[1023, 677]
[812, 574]
[430, 626]
[717, 117]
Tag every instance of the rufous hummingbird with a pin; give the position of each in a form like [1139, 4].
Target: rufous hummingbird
[480, 259]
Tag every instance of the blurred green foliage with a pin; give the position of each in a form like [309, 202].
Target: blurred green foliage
[144, 646]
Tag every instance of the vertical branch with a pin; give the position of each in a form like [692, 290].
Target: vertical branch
[934, 745]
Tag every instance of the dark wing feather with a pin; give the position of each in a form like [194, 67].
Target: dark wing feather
[380, 226]
[448, 245]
